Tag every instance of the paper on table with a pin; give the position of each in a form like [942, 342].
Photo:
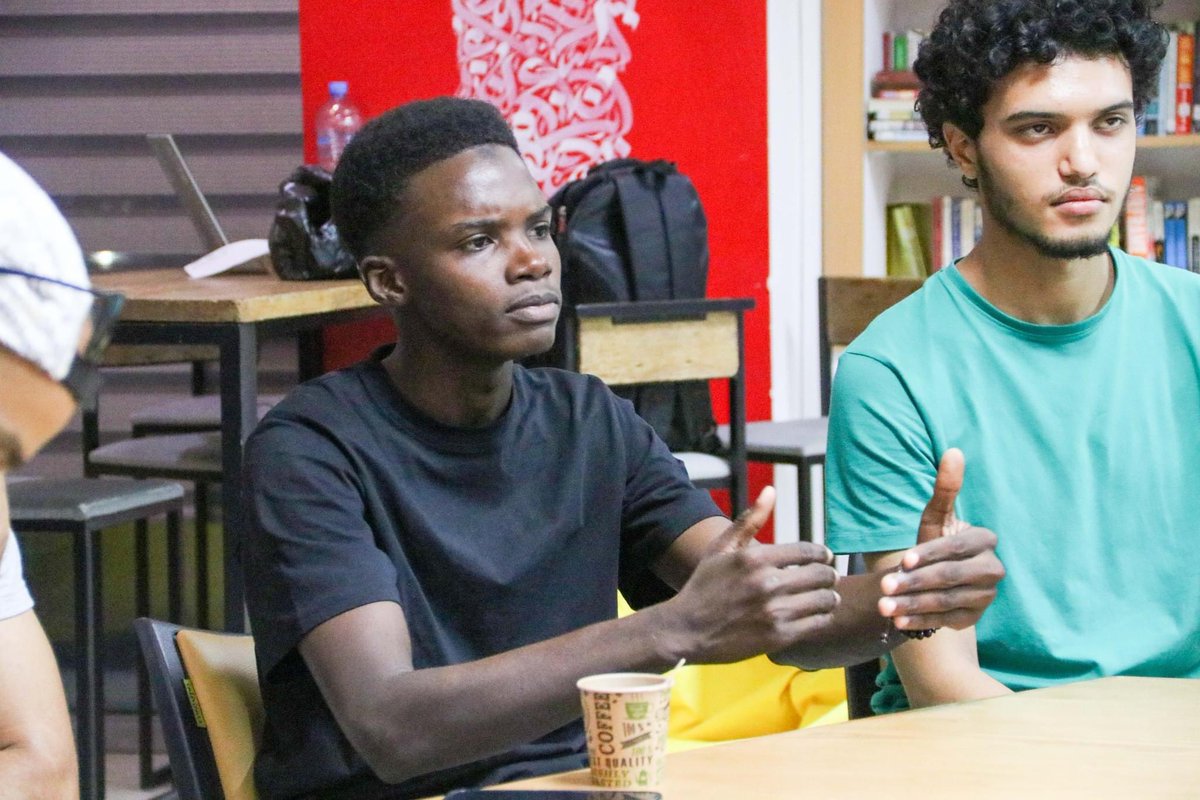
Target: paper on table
[245, 255]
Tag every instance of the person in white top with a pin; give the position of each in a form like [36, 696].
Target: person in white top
[52, 329]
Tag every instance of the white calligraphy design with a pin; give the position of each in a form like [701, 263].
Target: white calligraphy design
[551, 67]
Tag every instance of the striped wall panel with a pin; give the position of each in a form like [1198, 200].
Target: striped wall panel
[83, 81]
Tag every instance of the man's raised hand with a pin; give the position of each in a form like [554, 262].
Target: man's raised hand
[949, 578]
[743, 600]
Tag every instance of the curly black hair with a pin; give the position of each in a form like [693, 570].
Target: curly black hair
[373, 172]
[977, 42]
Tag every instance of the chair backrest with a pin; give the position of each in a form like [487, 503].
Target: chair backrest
[206, 688]
[667, 341]
[846, 307]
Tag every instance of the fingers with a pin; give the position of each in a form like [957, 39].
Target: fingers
[938, 518]
[944, 607]
[747, 525]
[781, 556]
[952, 587]
[967, 542]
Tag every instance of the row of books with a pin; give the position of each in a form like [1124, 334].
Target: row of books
[891, 115]
[892, 119]
[1163, 230]
[1174, 110]
[900, 49]
[923, 237]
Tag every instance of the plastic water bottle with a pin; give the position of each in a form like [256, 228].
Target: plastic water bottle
[337, 122]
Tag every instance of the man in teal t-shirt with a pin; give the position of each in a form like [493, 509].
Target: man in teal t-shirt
[1065, 371]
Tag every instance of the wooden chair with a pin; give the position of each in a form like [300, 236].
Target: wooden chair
[847, 306]
[669, 341]
[205, 685]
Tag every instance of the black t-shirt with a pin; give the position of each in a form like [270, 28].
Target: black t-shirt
[488, 538]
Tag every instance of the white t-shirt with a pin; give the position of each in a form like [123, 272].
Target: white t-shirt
[14, 594]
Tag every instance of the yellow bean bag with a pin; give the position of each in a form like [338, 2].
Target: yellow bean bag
[717, 702]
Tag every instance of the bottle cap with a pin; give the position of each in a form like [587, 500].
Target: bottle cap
[338, 88]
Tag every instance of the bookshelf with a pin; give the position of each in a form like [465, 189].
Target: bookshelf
[861, 177]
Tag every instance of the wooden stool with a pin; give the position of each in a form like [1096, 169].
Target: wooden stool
[84, 507]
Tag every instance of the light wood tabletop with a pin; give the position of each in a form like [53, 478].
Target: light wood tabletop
[1119, 738]
[166, 308]
[170, 295]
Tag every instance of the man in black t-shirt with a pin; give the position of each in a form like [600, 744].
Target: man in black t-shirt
[438, 534]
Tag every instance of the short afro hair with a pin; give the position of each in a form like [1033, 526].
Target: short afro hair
[977, 42]
[373, 172]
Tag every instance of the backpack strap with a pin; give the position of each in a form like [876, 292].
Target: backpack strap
[638, 193]
[686, 235]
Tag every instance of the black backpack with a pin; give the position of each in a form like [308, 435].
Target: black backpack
[635, 230]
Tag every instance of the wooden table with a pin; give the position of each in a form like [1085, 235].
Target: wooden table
[231, 311]
[1119, 738]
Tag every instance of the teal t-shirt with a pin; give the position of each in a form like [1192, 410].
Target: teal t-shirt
[1082, 446]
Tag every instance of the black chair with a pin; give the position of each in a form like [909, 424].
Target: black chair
[85, 508]
[668, 341]
[845, 307]
[206, 689]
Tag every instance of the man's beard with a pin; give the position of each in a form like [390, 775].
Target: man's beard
[1001, 205]
[11, 456]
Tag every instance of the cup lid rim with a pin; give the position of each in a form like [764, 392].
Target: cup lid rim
[654, 681]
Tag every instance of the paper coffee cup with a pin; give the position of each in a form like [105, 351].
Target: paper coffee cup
[625, 715]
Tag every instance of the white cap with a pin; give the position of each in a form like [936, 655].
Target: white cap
[39, 321]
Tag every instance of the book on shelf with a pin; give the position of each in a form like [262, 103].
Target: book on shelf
[1193, 234]
[942, 233]
[1175, 233]
[900, 136]
[1157, 226]
[900, 49]
[1184, 72]
[905, 252]
[1137, 221]
[957, 224]
[1195, 80]
[1148, 124]
[891, 108]
[895, 83]
[895, 125]
[1167, 231]
[894, 119]
[955, 229]
[1167, 79]
[1174, 110]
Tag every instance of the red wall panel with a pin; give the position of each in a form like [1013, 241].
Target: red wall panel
[697, 82]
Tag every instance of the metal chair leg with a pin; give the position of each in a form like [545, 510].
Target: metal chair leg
[89, 683]
[148, 776]
[174, 567]
[201, 498]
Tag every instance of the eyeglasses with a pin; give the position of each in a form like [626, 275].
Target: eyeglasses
[83, 379]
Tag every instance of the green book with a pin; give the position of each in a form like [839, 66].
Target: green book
[905, 253]
[899, 52]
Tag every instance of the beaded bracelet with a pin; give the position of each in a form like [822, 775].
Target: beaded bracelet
[924, 633]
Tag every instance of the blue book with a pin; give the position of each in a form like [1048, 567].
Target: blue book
[1148, 124]
[956, 247]
[1175, 233]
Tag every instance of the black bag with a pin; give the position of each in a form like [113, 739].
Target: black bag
[304, 241]
[635, 230]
